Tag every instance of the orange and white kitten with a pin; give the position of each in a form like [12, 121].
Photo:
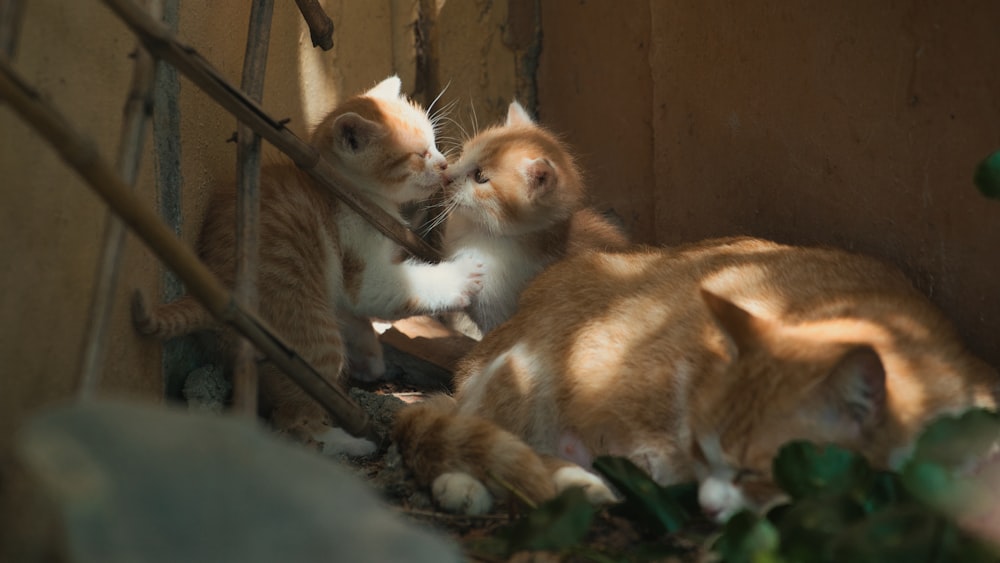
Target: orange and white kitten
[324, 270]
[515, 198]
[697, 362]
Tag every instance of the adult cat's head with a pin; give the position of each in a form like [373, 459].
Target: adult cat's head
[515, 178]
[384, 142]
[847, 382]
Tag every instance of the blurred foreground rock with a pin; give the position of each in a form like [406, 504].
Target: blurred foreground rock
[114, 482]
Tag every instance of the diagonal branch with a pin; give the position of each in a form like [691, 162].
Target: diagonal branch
[320, 25]
[161, 42]
[81, 154]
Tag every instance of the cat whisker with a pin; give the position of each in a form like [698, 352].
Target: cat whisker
[449, 206]
[430, 108]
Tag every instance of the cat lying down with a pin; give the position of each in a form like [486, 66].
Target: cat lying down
[695, 362]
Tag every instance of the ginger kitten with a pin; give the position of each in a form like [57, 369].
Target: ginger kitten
[323, 269]
[515, 196]
[697, 362]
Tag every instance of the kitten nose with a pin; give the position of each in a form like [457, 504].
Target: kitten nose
[441, 165]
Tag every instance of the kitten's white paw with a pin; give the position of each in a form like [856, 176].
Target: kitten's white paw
[471, 270]
[461, 493]
[593, 486]
[338, 442]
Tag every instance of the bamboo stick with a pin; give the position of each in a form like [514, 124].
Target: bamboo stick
[81, 154]
[138, 108]
[248, 203]
[11, 15]
[161, 42]
[320, 24]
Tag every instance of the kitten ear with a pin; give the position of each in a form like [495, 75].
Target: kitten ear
[516, 115]
[539, 174]
[388, 89]
[351, 132]
[855, 387]
[741, 329]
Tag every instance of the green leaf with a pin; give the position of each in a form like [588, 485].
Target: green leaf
[987, 176]
[803, 469]
[908, 532]
[747, 537]
[557, 524]
[810, 524]
[661, 509]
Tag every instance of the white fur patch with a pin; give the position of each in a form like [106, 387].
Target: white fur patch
[720, 498]
[573, 476]
[338, 442]
[461, 493]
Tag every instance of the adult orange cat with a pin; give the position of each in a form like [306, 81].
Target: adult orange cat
[323, 268]
[696, 362]
[516, 198]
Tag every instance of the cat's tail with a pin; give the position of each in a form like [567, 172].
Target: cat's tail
[435, 440]
[177, 318]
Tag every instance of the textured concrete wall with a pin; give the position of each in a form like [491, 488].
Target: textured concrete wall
[849, 123]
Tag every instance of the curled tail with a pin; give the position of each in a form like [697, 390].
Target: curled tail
[177, 318]
[463, 456]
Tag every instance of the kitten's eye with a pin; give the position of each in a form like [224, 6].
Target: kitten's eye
[478, 176]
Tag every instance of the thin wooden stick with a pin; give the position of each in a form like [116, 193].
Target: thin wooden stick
[11, 15]
[161, 42]
[320, 24]
[81, 154]
[248, 204]
[138, 109]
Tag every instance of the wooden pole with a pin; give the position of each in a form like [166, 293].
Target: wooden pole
[248, 204]
[161, 42]
[81, 154]
[137, 111]
[320, 24]
[11, 15]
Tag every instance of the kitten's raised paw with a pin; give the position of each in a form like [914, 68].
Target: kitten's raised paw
[473, 269]
[461, 493]
[596, 490]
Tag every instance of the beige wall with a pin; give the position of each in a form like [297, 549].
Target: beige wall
[849, 123]
[75, 53]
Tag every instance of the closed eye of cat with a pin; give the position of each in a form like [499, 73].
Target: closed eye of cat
[479, 177]
[746, 474]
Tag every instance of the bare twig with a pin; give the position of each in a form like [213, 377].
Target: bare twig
[248, 203]
[320, 24]
[81, 154]
[138, 108]
[161, 42]
[11, 14]
[514, 490]
[448, 516]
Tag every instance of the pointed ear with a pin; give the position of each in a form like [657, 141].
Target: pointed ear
[516, 115]
[855, 388]
[540, 175]
[352, 133]
[388, 89]
[741, 329]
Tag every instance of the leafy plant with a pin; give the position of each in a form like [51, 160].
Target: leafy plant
[987, 176]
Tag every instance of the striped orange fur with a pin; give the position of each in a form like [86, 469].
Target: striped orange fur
[695, 362]
[324, 271]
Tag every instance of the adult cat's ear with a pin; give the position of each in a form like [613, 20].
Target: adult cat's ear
[742, 329]
[352, 133]
[516, 115]
[388, 89]
[540, 175]
[855, 387]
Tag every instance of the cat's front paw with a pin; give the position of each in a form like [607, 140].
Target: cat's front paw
[471, 272]
[461, 493]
